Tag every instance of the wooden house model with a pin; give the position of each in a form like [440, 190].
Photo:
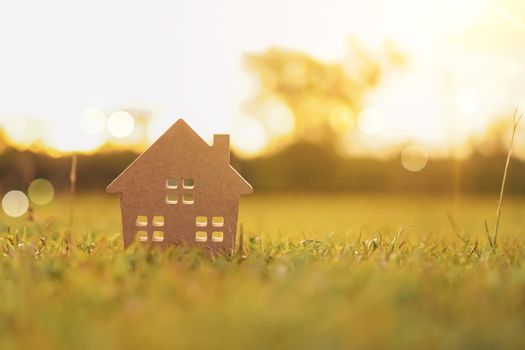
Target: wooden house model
[181, 190]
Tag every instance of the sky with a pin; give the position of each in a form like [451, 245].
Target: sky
[184, 59]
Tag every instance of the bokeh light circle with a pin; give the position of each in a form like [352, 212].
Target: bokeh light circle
[120, 124]
[342, 118]
[92, 121]
[370, 121]
[41, 191]
[15, 203]
[414, 158]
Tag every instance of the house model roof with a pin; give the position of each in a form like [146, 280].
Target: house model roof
[181, 147]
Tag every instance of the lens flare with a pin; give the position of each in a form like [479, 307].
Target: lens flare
[414, 158]
[41, 191]
[370, 121]
[15, 203]
[120, 124]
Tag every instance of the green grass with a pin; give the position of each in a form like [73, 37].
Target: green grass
[318, 272]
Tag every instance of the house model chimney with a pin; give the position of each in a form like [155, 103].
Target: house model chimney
[221, 146]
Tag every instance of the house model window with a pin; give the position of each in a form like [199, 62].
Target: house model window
[171, 183]
[202, 223]
[188, 184]
[182, 190]
[142, 225]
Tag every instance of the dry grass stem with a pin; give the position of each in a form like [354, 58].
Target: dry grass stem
[515, 123]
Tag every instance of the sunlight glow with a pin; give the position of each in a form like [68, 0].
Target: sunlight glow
[24, 133]
[278, 119]
[68, 137]
[468, 101]
[120, 124]
[505, 14]
[467, 8]
[248, 136]
[93, 121]
[15, 203]
[460, 70]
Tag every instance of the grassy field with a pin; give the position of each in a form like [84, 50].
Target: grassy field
[317, 272]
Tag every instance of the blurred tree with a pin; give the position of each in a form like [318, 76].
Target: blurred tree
[324, 98]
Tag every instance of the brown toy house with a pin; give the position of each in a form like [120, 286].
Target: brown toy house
[181, 190]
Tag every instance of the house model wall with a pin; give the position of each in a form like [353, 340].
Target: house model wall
[181, 190]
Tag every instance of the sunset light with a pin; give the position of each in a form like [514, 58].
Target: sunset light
[249, 136]
[93, 121]
[277, 174]
[447, 86]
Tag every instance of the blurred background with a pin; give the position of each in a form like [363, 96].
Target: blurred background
[318, 95]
